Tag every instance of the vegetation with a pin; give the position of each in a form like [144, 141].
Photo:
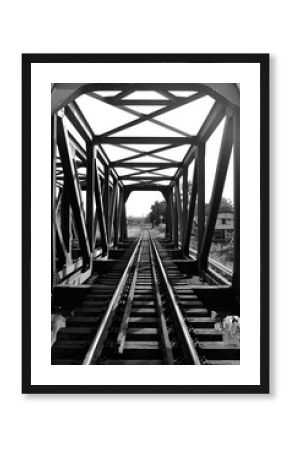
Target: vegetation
[225, 206]
[132, 220]
[157, 214]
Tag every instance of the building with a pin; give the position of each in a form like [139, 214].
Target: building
[224, 226]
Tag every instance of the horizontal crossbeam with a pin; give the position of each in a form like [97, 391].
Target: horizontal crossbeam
[145, 187]
[155, 178]
[145, 164]
[146, 140]
[141, 102]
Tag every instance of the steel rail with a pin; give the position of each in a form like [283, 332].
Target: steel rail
[125, 321]
[96, 346]
[167, 348]
[188, 347]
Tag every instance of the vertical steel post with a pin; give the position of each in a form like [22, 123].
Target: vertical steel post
[90, 204]
[168, 218]
[217, 190]
[184, 203]
[53, 198]
[125, 222]
[100, 215]
[175, 217]
[201, 193]
[120, 207]
[107, 199]
[66, 221]
[236, 166]
[116, 216]
[191, 211]
[113, 205]
[179, 211]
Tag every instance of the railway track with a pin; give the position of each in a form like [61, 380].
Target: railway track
[143, 311]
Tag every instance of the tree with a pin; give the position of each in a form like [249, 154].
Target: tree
[157, 210]
[226, 205]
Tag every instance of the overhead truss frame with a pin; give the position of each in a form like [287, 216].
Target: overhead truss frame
[76, 168]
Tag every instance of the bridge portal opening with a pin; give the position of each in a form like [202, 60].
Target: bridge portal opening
[146, 210]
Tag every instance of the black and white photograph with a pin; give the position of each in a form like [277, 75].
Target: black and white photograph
[151, 191]
[146, 224]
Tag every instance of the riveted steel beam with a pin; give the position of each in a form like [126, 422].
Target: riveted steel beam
[217, 191]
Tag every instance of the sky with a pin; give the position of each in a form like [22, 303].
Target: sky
[139, 203]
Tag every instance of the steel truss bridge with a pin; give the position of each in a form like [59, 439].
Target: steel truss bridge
[147, 300]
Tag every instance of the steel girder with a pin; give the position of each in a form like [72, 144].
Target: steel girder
[106, 192]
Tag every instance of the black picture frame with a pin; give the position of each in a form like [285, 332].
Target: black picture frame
[27, 61]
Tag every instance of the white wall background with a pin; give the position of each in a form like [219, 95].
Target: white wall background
[143, 422]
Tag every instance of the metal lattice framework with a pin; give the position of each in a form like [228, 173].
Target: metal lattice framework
[150, 163]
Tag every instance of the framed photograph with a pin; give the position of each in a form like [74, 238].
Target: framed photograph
[145, 252]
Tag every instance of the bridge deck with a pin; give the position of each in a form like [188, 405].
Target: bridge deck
[145, 310]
